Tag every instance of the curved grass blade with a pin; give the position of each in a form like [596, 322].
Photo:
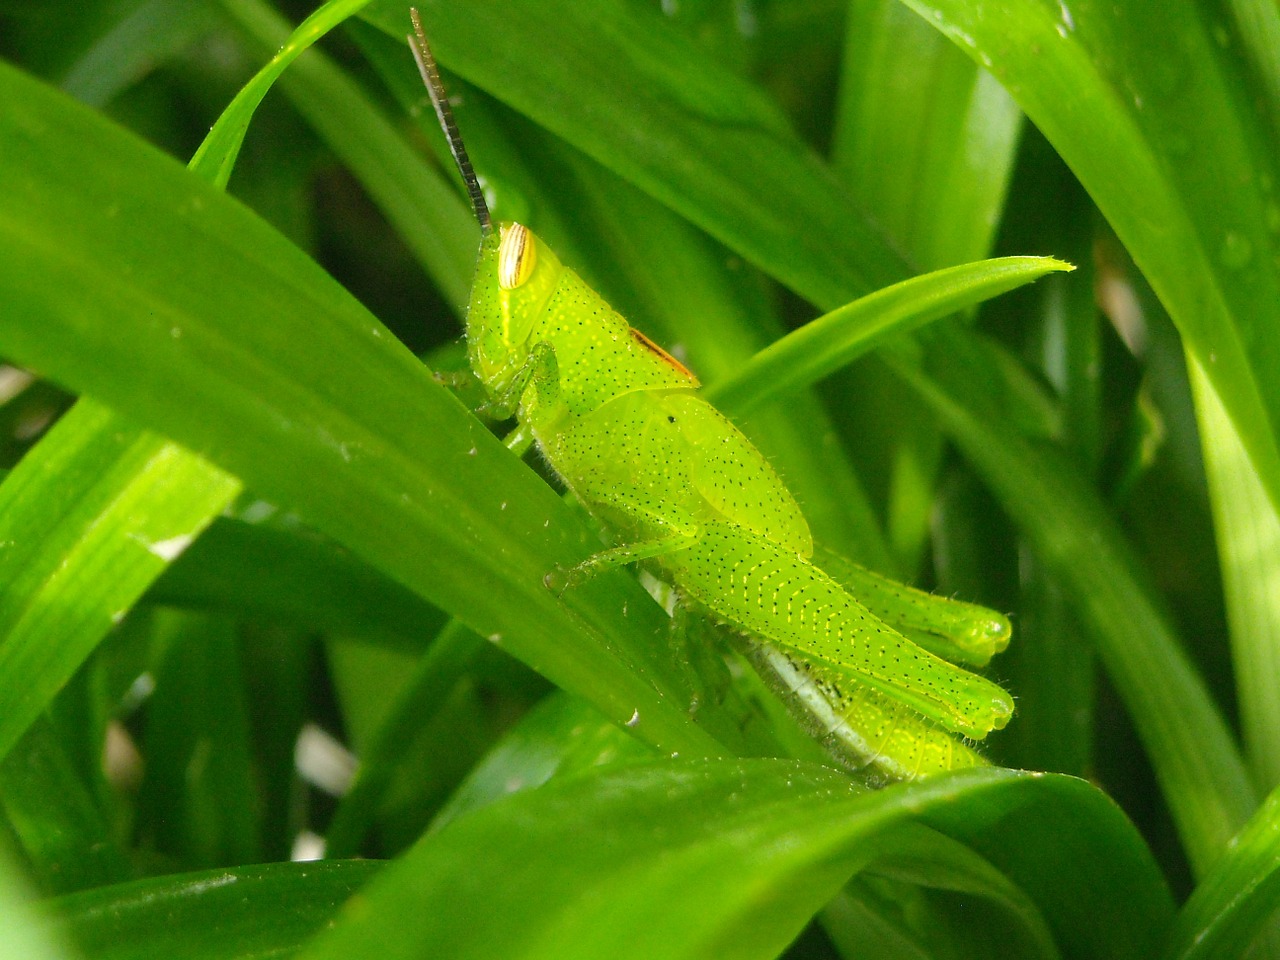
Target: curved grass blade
[564, 737]
[222, 146]
[623, 862]
[838, 338]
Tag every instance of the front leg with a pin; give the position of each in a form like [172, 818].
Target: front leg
[562, 580]
[542, 370]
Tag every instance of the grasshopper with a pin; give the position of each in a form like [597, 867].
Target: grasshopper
[622, 424]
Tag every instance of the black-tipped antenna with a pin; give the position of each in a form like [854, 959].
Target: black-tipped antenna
[439, 100]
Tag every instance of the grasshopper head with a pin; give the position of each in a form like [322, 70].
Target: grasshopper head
[515, 278]
[516, 273]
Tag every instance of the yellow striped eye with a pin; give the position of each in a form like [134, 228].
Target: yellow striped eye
[516, 256]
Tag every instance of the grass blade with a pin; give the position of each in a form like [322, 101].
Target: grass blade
[1248, 535]
[246, 913]
[641, 871]
[925, 138]
[841, 336]
[80, 551]
[1238, 899]
[222, 146]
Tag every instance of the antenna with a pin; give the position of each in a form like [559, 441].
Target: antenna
[439, 100]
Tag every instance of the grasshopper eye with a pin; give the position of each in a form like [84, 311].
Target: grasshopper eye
[516, 256]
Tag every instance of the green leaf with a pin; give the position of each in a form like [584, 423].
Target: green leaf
[641, 870]
[221, 147]
[144, 462]
[1248, 532]
[87, 521]
[841, 336]
[695, 137]
[245, 913]
[1236, 900]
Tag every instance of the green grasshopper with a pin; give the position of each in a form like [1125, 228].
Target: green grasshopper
[682, 489]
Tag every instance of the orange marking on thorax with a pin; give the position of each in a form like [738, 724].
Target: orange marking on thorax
[668, 358]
